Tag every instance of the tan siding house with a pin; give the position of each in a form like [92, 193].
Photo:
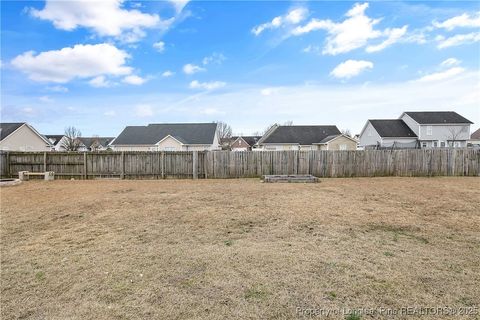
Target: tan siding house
[339, 142]
[280, 138]
[168, 137]
[22, 137]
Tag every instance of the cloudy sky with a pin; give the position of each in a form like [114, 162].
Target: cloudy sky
[102, 65]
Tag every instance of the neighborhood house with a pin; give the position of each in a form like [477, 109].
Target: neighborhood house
[432, 129]
[475, 138]
[244, 143]
[305, 138]
[21, 136]
[168, 137]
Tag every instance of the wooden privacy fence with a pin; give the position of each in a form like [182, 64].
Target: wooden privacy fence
[226, 164]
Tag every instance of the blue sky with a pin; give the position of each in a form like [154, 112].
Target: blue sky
[102, 65]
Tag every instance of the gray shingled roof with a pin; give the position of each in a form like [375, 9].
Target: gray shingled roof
[303, 135]
[476, 134]
[55, 137]
[187, 133]
[394, 128]
[251, 140]
[437, 117]
[88, 141]
[326, 139]
[7, 129]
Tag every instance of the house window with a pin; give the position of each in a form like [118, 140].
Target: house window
[343, 147]
[169, 149]
[424, 145]
[442, 144]
[429, 130]
[435, 144]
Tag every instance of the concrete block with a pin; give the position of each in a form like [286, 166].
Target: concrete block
[23, 175]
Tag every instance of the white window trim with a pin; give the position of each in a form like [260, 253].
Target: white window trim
[429, 130]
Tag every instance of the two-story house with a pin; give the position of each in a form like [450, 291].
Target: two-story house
[439, 128]
[426, 129]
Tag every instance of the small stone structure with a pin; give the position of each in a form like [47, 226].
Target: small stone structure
[25, 175]
[299, 178]
[9, 182]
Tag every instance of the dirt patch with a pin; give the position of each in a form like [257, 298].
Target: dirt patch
[216, 249]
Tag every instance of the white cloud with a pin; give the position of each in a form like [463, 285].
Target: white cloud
[457, 40]
[105, 18]
[211, 111]
[191, 68]
[351, 68]
[214, 58]
[81, 61]
[135, 80]
[159, 46]
[442, 75]
[46, 99]
[168, 73]
[58, 89]
[354, 32]
[179, 4]
[207, 85]
[110, 113]
[100, 82]
[393, 35]
[450, 62]
[293, 17]
[268, 91]
[463, 21]
[28, 111]
[143, 110]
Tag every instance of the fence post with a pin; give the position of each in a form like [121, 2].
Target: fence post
[162, 164]
[85, 176]
[45, 162]
[7, 165]
[195, 164]
[122, 165]
[205, 165]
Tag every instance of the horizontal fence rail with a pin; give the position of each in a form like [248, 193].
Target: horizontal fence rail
[248, 164]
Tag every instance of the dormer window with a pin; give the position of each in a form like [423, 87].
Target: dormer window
[429, 130]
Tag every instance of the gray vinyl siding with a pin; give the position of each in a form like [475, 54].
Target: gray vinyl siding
[443, 132]
[412, 124]
[369, 136]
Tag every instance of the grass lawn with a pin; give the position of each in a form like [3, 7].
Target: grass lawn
[238, 249]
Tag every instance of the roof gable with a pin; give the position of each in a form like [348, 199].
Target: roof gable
[187, 133]
[98, 141]
[437, 117]
[54, 138]
[333, 137]
[392, 128]
[476, 134]
[7, 129]
[302, 135]
[250, 140]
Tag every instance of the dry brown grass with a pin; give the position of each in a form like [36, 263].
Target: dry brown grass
[237, 249]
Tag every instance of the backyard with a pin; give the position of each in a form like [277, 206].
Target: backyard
[239, 249]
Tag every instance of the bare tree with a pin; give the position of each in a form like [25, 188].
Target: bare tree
[224, 130]
[288, 123]
[454, 135]
[95, 145]
[71, 141]
[347, 132]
